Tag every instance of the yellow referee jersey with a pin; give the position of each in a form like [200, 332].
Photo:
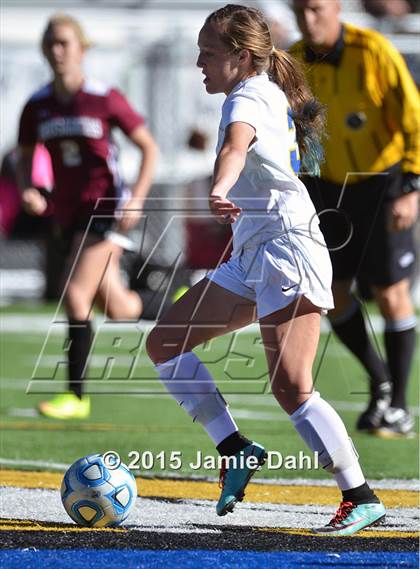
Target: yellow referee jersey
[372, 103]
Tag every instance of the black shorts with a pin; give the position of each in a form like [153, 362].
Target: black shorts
[62, 237]
[355, 224]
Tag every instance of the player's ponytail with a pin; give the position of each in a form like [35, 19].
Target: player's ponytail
[240, 27]
[307, 112]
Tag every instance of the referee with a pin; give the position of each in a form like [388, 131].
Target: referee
[367, 194]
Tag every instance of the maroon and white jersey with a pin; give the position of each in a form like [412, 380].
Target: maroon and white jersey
[77, 134]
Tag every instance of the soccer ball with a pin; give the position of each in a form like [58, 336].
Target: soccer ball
[95, 495]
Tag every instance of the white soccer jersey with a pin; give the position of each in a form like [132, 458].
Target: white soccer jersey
[273, 199]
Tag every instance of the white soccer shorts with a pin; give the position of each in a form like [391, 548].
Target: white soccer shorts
[274, 273]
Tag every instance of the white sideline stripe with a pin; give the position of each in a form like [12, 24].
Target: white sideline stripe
[42, 323]
[35, 464]
[15, 322]
[382, 484]
[244, 414]
[335, 348]
[335, 351]
[269, 401]
[238, 413]
[22, 412]
[258, 415]
[96, 361]
[161, 516]
[243, 405]
[10, 384]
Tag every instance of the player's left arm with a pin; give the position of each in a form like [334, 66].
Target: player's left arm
[143, 139]
[227, 169]
[402, 105]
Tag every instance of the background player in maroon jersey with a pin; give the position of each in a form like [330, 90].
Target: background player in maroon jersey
[73, 116]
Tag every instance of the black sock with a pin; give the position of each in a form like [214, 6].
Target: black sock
[352, 332]
[400, 347]
[80, 338]
[361, 495]
[232, 444]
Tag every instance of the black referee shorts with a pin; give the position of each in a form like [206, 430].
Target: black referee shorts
[355, 223]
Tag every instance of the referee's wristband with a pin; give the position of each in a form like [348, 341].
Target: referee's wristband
[410, 183]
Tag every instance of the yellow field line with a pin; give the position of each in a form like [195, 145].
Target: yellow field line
[199, 490]
[80, 426]
[363, 533]
[29, 525]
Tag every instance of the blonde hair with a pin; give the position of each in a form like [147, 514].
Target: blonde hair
[239, 28]
[65, 20]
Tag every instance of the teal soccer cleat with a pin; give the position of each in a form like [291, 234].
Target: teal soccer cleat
[234, 480]
[351, 518]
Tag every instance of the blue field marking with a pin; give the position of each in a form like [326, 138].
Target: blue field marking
[134, 559]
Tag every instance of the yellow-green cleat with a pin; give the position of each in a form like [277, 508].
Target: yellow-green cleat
[66, 406]
[351, 518]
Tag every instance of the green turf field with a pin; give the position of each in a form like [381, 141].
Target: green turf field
[132, 413]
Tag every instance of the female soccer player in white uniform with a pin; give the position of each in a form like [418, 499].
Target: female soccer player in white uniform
[279, 267]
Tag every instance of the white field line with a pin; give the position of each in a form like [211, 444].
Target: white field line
[243, 414]
[96, 361]
[258, 415]
[22, 412]
[131, 387]
[18, 323]
[42, 323]
[264, 401]
[244, 406]
[382, 484]
[335, 350]
[38, 464]
[155, 515]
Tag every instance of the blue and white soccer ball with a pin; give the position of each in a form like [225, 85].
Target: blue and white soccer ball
[95, 495]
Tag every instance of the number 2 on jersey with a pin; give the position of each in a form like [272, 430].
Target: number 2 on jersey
[294, 151]
[70, 152]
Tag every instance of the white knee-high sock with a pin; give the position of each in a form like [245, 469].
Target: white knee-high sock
[324, 432]
[189, 382]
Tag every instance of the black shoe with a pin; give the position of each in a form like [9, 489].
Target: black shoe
[379, 402]
[396, 423]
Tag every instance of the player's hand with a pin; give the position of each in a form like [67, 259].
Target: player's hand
[130, 214]
[404, 211]
[33, 202]
[224, 210]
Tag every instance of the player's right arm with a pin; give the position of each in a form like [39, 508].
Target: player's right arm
[227, 169]
[32, 200]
